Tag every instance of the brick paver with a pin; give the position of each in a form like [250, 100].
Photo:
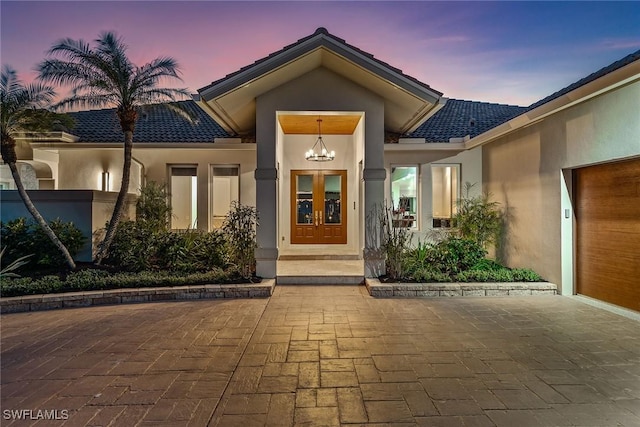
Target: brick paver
[324, 356]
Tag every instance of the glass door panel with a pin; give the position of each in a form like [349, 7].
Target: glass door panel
[332, 199]
[304, 199]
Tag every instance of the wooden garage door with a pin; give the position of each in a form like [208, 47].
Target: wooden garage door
[608, 232]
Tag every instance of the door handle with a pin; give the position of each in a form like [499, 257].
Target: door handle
[317, 218]
[320, 217]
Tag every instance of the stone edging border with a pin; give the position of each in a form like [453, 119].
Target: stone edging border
[391, 290]
[262, 290]
[123, 296]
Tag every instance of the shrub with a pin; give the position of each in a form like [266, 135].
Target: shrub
[395, 244]
[473, 276]
[88, 280]
[477, 218]
[240, 229]
[29, 286]
[152, 208]
[454, 255]
[525, 275]
[25, 238]
[427, 275]
[417, 258]
[136, 247]
[487, 265]
[133, 247]
[190, 251]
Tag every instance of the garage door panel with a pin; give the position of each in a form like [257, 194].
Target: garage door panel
[608, 232]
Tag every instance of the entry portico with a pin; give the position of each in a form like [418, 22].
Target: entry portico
[279, 99]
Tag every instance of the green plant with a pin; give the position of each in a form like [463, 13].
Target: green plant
[395, 243]
[418, 257]
[8, 270]
[454, 255]
[24, 238]
[487, 265]
[525, 275]
[427, 275]
[478, 218]
[474, 276]
[133, 247]
[93, 279]
[22, 109]
[240, 228]
[152, 208]
[105, 76]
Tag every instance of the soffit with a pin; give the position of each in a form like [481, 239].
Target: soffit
[232, 100]
[298, 124]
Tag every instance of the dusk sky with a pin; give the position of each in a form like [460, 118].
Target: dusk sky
[506, 52]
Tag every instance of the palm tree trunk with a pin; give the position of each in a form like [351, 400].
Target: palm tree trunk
[118, 209]
[39, 219]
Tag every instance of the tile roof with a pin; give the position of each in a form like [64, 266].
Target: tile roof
[591, 77]
[320, 31]
[154, 125]
[459, 118]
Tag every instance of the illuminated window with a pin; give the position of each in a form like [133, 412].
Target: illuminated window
[225, 189]
[445, 181]
[184, 197]
[404, 195]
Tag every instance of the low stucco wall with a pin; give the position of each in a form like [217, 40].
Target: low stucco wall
[89, 210]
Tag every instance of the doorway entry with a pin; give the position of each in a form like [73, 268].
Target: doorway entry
[318, 206]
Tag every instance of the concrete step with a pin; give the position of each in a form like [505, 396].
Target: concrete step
[320, 280]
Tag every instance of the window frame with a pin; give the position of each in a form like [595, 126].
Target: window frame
[170, 168]
[212, 176]
[397, 219]
[442, 221]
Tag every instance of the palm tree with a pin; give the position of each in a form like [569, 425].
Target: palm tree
[103, 76]
[22, 110]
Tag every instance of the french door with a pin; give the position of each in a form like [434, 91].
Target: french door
[318, 206]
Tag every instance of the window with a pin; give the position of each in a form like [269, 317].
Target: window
[225, 188]
[184, 197]
[445, 193]
[404, 195]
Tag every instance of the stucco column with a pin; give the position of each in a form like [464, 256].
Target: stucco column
[266, 176]
[267, 251]
[373, 202]
[374, 175]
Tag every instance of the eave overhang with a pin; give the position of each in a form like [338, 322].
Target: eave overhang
[47, 137]
[616, 79]
[231, 100]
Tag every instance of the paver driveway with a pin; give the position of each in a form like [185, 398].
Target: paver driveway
[324, 356]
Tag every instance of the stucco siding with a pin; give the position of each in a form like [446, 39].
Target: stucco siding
[524, 172]
[81, 169]
[323, 91]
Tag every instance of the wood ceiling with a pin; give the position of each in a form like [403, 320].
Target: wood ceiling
[308, 124]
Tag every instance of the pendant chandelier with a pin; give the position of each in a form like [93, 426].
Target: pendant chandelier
[322, 155]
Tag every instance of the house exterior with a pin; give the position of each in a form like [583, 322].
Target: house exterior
[396, 140]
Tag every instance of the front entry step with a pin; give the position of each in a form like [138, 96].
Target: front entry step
[320, 272]
[319, 280]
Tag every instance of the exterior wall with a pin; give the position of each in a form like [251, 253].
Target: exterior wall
[317, 91]
[528, 172]
[89, 210]
[470, 163]
[157, 161]
[81, 169]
